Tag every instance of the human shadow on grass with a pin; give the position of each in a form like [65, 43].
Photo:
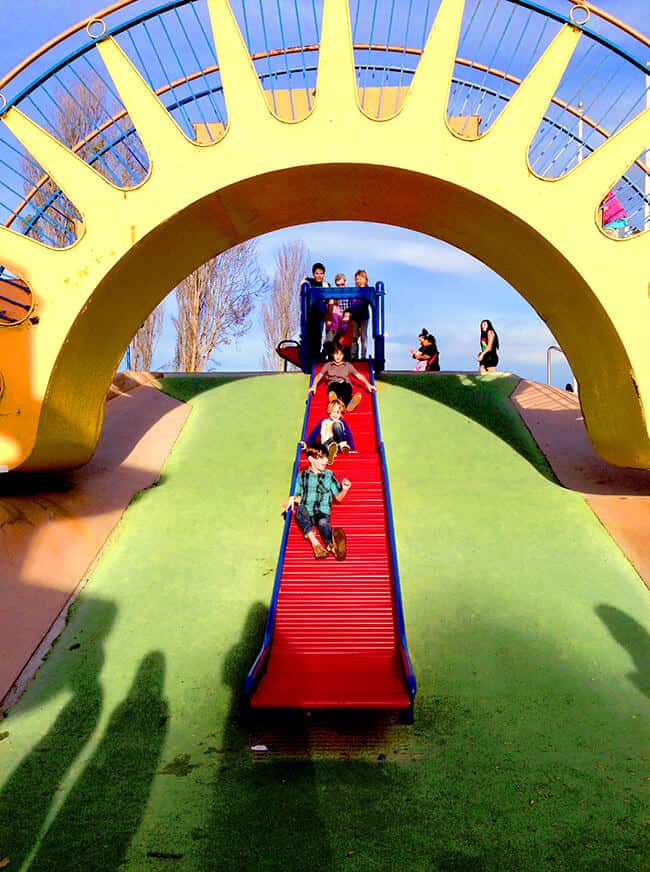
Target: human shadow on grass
[262, 813]
[519, 768]
[634, 638]
[486, 401]
[27, 796]
[102, 812]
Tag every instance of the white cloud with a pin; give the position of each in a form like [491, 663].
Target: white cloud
[354, 242]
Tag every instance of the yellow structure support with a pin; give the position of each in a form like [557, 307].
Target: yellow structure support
[411, 170]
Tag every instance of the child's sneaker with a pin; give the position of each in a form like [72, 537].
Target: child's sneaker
[332, 451]
[319, 551]
[354, 402]
[343, 447]
[339, 543]
[332, 396]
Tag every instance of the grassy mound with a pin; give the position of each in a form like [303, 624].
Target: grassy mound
[130, 749]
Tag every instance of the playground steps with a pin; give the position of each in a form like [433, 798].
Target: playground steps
[335, 643]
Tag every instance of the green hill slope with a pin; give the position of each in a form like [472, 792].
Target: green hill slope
[130, 749]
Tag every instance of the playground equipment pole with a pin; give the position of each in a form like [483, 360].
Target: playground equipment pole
[580, 132]
[548, 366]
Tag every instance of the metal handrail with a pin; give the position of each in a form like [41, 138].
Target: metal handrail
[409, 675]
[123, 26]
[257, 669]
[122, 4]
[124, 134]
[549, 351]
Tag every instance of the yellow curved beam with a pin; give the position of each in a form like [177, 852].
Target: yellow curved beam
[412, 170]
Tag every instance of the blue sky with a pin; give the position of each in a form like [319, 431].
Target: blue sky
[429, 283]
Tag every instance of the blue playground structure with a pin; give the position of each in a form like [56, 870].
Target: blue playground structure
[313, 302]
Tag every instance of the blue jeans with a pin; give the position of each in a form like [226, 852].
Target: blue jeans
[307, 522]
[338, 434]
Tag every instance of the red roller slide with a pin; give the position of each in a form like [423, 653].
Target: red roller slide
[335, 637]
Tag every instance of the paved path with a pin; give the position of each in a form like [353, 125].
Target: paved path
[619, 497]
[53, 527]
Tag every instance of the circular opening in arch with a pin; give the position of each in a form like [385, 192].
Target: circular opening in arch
[16, 299]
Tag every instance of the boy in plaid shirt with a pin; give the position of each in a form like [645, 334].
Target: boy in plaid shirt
[312, 500]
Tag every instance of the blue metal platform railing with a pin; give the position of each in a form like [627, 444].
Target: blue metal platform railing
[605, 85]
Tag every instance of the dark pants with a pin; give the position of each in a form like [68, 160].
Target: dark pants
[307, 523]
[343, 390]
[338, 434]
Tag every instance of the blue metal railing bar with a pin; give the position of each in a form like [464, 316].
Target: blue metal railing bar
[286, 60]
[573, 99]
[143, 66]
[256, 669]
[597, 37]
[88, 46]
[389, 36]
[267, 50]
[215, 106]
[143, 163]
[555, 158]
[17, 283]
[166, 75]
[171, 107]
[173, 4]
[172, 46]
[15, 303]
[82, 109]
[409, 675]
[477, 109]
[302, 43]
[53, 222]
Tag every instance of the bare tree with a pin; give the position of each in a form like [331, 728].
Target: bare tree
[90, 122]
[214, 305]
[281, 314]
[143, 344]
[81, 118]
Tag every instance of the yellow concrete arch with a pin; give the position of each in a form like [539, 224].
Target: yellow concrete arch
[411, 170]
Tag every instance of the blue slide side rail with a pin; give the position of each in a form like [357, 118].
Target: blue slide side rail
[257, 669]
[409, 675]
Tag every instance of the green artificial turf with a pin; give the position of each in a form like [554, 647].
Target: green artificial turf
[130, 749]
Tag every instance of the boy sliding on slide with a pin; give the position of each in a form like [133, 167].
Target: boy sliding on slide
[312, 501]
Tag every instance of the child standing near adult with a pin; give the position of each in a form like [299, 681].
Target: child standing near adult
[312, 500]
[332, 318]
[345, 335]
[338, 372]
[361, 315]
[426, 356]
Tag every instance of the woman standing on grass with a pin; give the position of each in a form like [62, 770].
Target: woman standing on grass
[426, 356]
[487, 356]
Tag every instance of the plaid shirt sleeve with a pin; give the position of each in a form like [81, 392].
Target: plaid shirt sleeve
[298, 491]
[335, 485]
